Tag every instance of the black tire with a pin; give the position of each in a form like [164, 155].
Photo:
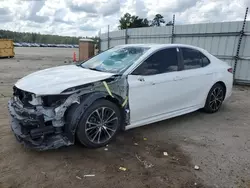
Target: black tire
[85, 129]
[215, 98]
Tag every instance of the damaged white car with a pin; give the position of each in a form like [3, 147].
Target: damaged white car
[124, 87]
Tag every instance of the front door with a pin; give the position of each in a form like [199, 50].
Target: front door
[154, 86]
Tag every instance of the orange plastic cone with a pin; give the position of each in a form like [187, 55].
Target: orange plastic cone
[74, 57]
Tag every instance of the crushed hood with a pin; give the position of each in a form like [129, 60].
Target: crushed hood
[57, 79]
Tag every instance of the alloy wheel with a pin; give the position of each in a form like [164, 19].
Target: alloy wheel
[216, 99]
[101, 125]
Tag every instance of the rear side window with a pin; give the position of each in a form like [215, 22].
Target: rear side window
[205, 60]
[162, 61]
[193, 59]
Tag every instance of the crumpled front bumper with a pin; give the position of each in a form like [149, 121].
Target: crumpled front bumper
[30, 129]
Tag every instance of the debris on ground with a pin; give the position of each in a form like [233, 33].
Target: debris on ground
[148, 165]
[165, 172]
[196, 167]
[145, 139]
[89, 175]
[136, 144]
[43, 172]
[235, 135]
[165, 153]
[145, 163]
[78, 177]
[106, 149]
[122, 168]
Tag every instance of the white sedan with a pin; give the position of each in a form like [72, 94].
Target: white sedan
[124, 87]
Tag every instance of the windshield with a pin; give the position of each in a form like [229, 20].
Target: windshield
[115, 60]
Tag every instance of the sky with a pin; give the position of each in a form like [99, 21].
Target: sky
[87, 17]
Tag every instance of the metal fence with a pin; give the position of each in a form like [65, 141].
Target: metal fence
[229, 41]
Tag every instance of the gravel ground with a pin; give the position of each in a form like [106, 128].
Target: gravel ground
[218, 143]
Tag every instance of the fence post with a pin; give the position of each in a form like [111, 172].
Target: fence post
[99, 42]
[126, 36]
[172, 37]
[239, 44]
[108, 37]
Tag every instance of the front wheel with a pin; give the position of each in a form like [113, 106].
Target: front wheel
[99, 124]
[215, 98]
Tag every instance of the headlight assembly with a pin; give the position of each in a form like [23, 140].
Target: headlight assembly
[35, 100]
[53, 100]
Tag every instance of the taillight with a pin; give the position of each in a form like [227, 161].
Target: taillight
[230, 70]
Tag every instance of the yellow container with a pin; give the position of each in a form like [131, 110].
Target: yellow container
[6, 48]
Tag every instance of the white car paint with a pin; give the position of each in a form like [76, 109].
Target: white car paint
[157, 94]
[173, 94]
[157, 98]
[55, 80]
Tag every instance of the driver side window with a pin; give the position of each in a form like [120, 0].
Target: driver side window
[162, 61]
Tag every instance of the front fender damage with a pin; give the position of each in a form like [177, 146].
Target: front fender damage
[47, 127]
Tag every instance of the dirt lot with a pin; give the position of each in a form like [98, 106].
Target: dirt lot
[218, 143]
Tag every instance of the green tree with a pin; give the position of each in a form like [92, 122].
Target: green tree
[125, 21]
[129, 21]
[33, 36]
[138, 22]
[158, 19]
[38, 38]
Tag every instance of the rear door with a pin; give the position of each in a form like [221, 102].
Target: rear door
[196, 75]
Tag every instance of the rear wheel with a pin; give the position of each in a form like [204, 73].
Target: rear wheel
[215, 98]
[99, 124]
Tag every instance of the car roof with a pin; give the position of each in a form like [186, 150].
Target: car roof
[159, 46]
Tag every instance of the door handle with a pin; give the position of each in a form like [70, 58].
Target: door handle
[177, 78]
[210, 73]
[141, 79]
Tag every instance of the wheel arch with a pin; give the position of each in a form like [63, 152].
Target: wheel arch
[74, 113]
[207, 108]
[207, 92]
[223, 85]
[122, 109]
